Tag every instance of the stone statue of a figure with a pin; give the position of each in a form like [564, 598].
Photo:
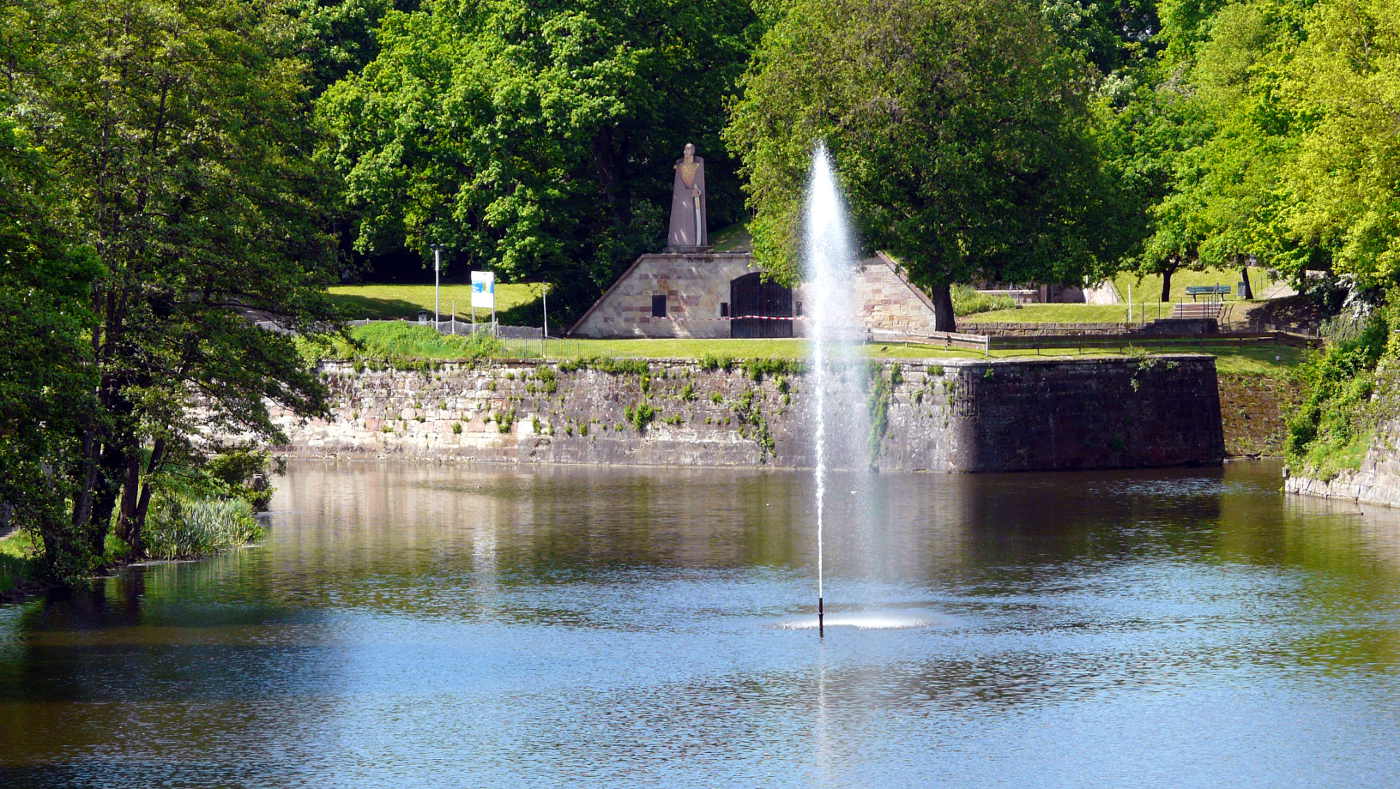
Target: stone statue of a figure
[688, 231]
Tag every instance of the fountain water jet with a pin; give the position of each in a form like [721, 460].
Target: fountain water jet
[840, 421]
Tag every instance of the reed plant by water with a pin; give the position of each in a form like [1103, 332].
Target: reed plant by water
[181, 527]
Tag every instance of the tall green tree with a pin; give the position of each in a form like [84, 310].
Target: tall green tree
[959, 131]
[180, 133]
[1342, 189]
[1225, 206]
[535, 139]
[46, 376]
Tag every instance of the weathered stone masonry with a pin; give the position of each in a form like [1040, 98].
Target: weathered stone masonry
[952, 415]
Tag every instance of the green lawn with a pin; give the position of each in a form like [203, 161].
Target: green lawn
[398, 343]
[734, 238]
[517, 304]
[1054, 313]
[15, 562]
[1255, 358]
[1149, 288]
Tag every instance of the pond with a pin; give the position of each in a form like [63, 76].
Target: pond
[416, 624]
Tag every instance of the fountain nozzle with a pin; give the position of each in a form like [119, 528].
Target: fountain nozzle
[821, 615]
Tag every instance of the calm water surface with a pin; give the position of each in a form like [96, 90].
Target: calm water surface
[407, 625]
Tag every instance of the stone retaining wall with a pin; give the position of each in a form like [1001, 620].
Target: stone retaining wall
[953, 415]
[1252, 409]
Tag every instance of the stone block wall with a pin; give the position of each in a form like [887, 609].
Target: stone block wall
[888, 303]
[953, 415]
[694, 285]
[1252, 409]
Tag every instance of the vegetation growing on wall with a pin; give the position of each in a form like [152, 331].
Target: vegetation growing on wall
[1331, 429]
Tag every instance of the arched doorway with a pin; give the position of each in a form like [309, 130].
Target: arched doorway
[758, 308]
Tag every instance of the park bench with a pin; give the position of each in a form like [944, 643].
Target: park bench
[1216, 291]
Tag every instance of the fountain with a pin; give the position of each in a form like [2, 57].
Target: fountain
[840, 421]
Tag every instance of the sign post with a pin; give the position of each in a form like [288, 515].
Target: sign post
[437, 293]
[484, 295]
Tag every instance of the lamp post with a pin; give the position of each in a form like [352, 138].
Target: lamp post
[437, 264]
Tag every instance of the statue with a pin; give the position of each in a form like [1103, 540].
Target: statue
[688, 231]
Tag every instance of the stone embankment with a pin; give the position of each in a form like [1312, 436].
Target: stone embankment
[1376, 481]
[952, 415]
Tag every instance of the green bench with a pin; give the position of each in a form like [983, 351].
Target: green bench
[1220, 291]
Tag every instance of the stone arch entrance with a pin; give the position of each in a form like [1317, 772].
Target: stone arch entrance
[758, 308]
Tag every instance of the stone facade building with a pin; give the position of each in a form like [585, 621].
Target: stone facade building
[722, 294]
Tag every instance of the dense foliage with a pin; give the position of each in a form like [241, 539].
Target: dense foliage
[959, 131]
[535, 139]
[1332, 427]
[177, 135]
[173, 170]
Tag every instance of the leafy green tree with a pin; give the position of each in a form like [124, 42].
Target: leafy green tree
[46, 379]
[1225, 207]
[1342, 189]
[1112, 34]
[535, 139]
[180, 133]
[340, 35]
[959, 133]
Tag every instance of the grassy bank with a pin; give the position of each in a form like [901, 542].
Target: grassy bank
[1347, 393]
[1149, 288]
[515, 304]
[404, 345]
[17, 566]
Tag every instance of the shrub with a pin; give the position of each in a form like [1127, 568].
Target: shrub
[640, 415]
[1330, 430]
[180, 527]
[967, 301]
[709, 362]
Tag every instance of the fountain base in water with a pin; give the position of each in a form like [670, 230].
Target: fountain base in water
[872, 620]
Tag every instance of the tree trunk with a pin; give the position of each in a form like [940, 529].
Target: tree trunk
[1167, 285]
[137, 541]
[111, 469]
[1246, 290]
[131, 491]
[943, 317]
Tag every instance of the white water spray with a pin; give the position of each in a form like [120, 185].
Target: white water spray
[834, 341]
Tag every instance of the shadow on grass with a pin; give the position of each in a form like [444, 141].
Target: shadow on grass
[354, 307]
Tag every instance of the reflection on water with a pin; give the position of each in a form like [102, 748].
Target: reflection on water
[423, 625]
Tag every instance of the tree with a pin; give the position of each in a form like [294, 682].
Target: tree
[1342, 189]
[1112, 34]
[535, 139]
[1225, 206]
[340, 36]
[46, 379]
[180, 131]
[959, 133]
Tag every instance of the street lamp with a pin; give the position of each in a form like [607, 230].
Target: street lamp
[437, 299]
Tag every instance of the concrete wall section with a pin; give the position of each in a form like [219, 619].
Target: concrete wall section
[955, 415]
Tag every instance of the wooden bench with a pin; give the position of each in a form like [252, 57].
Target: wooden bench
[1218, 291]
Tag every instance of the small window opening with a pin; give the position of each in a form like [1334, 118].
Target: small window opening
[724, 309]
[798, 309]
[658, 305]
